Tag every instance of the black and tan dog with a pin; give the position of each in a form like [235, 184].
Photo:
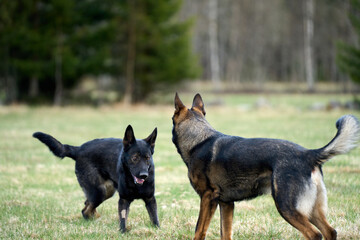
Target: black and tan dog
[109, 164]
[223, 169]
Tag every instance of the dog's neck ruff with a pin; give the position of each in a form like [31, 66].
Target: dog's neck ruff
[189, 134]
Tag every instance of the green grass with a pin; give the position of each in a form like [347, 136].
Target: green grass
[41, 199]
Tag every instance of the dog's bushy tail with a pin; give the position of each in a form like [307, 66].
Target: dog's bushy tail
[57, 148]
[346, 138]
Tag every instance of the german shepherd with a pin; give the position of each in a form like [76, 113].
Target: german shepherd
[103, 166]
[223, 169]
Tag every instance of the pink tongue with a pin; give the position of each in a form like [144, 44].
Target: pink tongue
[138, 180]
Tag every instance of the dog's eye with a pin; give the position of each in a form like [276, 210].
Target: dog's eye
[134, 158]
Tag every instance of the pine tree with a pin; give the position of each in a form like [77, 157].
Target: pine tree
[348, 56]
[50, 44]
[31, 57]
[8, 26]
[157, 47]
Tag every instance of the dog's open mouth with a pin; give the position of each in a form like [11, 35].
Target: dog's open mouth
[138, 181]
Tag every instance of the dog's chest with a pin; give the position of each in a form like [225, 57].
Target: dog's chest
[129, 190]
[132, 191]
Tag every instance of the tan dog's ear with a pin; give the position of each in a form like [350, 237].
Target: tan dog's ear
[178, 104]
[198, 104]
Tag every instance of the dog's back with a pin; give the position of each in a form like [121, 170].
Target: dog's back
[100, 155]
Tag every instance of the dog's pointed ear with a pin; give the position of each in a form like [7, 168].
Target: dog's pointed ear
[129, 138]
[151, 139]
[198, 104]
[178, 104]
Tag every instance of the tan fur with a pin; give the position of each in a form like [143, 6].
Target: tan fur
[109, 188]
[319, 220]
[226, 215]
[199, 182]
[319, 211]
[275, 186]
[89, 212]
[303, 224]
[207, 209]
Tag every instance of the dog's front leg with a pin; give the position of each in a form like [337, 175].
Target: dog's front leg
[207, 209]
[152, 210]
[226, 215]
[123, 209]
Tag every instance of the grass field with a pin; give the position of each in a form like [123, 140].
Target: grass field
[41, 199]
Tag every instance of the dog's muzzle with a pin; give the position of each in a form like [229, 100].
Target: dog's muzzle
[141, 179]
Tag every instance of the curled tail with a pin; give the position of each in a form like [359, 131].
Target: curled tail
[57, 148]
[346, 138]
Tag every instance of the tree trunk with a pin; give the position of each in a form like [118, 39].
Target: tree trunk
[10, 83]
[308, 44]
[213, 38]
[131, 54]
[11, 89]
[34, 86]
[58, 74]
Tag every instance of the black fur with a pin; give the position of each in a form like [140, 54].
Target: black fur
[136, 164]
[103, 166]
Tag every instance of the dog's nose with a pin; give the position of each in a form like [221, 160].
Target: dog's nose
[143, 175]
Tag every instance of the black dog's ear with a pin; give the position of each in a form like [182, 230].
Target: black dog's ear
[129, 138]
[198, 104]
[151, 139]
[178, 104]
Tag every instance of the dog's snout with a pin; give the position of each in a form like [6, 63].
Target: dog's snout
[143, 175]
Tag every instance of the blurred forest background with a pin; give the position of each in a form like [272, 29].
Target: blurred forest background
[100, 51]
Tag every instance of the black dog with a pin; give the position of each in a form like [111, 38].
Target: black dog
[106, 165]
[223, 169]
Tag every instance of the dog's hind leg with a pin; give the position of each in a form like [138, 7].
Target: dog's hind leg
[151, 207]
[94, 199]
[302, 223]
[319, 220]
[86, 203]
[96, 190]
[89, 211]
[226, 215]
[207, 209]
[319, 211]
[95, 196]
[295, 199]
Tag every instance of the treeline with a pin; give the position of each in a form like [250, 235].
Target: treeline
[264, 40]
[46, 46]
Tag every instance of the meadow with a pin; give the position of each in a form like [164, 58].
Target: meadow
[41, 199]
